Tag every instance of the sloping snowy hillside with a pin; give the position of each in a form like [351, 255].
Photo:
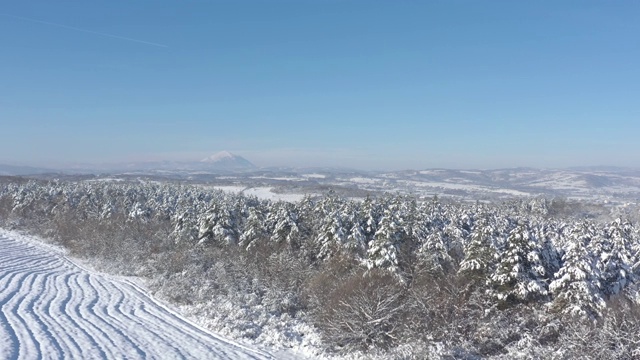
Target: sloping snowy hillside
[51, 308]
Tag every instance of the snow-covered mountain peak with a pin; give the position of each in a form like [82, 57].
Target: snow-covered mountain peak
[219, 156]
[227, 160]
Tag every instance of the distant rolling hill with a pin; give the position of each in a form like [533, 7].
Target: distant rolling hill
[12, 170]
[225, 160]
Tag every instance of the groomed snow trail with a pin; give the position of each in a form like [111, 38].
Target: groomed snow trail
[52, 309]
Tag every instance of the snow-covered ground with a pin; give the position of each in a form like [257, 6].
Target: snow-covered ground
[230, 188]
[264, 193]
[610, 186]
[600, 185]
[268, 194]
[51, 308]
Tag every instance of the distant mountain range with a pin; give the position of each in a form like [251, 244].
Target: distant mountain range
[223, 161]
[612, 184]
[11, 170]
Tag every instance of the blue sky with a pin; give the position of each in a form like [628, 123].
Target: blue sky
[365, 84]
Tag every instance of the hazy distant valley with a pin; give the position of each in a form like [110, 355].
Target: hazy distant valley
[233, 173]
[596, 185]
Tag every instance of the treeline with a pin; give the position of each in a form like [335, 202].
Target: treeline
[392, 275]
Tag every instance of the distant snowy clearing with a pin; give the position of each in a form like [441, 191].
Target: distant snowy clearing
[315, 176]
[230, 188]
[51, 308]
[263, 193]
[267, 193]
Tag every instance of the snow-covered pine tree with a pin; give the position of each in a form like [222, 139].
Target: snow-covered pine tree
[383, 249]
[519, 274]
[357, 241]
[185, 227]
[456, 231]
[285, 229]
[548, 234]
[576, 288]
[254, 230]
[218, 225]
[616, 259]
[352, 222]
[479, 251]
[409, 213]
[140, 212]
[332, 235]
[371, 216]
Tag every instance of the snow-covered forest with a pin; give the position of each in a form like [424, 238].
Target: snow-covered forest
[392, 276]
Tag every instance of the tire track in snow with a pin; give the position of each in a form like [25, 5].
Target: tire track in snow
[52, 309]
[17, 320]
[95, 339]
[49, 307]
[33, 307]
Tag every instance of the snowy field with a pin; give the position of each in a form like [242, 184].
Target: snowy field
[263, 193]
[599, 185]
[50, 308]
[602, 186]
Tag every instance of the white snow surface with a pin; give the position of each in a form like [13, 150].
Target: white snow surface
[219, 156]
[315, 176]
[51, 308]
[266, 193]
[230, 188]
[263, 193]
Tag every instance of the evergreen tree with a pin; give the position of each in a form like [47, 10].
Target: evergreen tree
[519, 274]
[218, 225]
[185, 227]
[433, 253]
[616, 258]
[286, 228]
[254, 230]
[479, 250]
[576, 288]
[371, 216]
[383, 249]
[332, 236]
[549, 235]
[357, 241]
